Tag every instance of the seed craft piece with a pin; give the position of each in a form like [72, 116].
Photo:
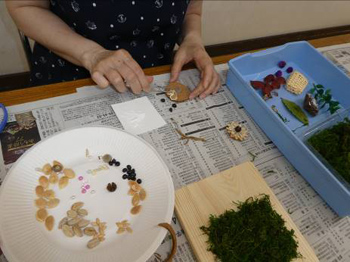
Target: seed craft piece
[237, 131]
[177, 92]
[296, 83]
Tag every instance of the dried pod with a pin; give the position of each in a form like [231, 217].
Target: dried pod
[40, 203]
[77, 231]
[39, 190]
[90, 231]
[135, 210]
[76, 206]
[41, 215]
[49, 194]
[62, 222]
[68, 231]
[43, 181]
[47, 169]
[49, 222]
[63, 182]
[57, 166]
[82, 212]
[69, 173]
[93, 243]
[73, 221]
[53, 178]
[52, 203]
[135, 200]
[143, 194]
[72, 214]
[83, 223]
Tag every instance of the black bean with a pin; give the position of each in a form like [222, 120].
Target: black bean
[114, 161]
[124, 170]
[170, 109]
[128, 167]
[162, 100]
[133, 178]
[117, 163]
[133, 170]
[174, 105]
[139, 181]
[110, 163]
[125, 176]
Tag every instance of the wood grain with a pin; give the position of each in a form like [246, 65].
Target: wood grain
[214, 195]
[36, 93]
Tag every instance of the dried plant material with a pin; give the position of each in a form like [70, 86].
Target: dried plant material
[39, 190]
[123, 226]
[49, 222]
[72, 214]
[47, 169]
[44, 182]
[57, 166]
[69, 173]
[296, 83]
[74, 221]
[135, 210]
[50, 194]
[68, 231]
[295, 110]
[143, 194]
[131, 183]
[41, 214]
[129, 229]
[90, 231]
[76, 206]
[131, 192]
[188, 138]
[135, 200]
[237, 131]
[136, 187]
[82, 212]
[52, 203]
[63, 182]
[120, 230]
[53, 178]
[77, 231]
[93, 243]
[62, 222]
[40, 203]
[177, 92]
[83, 223]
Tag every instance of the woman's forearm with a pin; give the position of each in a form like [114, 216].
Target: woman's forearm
[36, 21]
[192, 26]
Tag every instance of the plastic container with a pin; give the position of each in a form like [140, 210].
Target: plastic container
[289, 137]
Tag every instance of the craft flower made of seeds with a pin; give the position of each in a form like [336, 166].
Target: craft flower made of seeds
[237, 131]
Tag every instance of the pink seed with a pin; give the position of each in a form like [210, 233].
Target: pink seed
[80, 178]
[87, 187]
[83, 191]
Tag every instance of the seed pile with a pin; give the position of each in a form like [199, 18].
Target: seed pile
[138, 194]
[130, 174]
[123, 226]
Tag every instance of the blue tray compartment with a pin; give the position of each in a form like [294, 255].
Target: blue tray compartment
[304, 58]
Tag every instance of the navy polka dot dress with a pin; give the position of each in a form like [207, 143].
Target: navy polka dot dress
[147, 29]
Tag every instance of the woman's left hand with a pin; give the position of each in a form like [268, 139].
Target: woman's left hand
[192, 49]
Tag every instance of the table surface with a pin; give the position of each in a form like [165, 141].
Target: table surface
[41, 92]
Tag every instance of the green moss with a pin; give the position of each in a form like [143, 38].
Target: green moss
[253, 233]
[334, 145]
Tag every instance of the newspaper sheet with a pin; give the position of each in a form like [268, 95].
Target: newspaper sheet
[328, 234]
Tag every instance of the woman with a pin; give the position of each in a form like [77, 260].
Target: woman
[112, 40]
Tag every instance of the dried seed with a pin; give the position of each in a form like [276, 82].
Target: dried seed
[83, 212]
[69, 173]
[90, 231]
[68, 231]
[76, 206]
[131, 192]
[73, 221]
[135, 200]
[143, 194]
[47, 169]
[39, 190]
[136, 187]
[43, 181]
[49, 222]
[129, 229]
[101, 237]
[41, 215]
[53, 178]
[93, 243]
[72, 214]
[120, 230]
[49, 194]
[135, 210]
[107, 158]
[77, 231]
[63, 182]
[57, 166]
[62, 222]
[83, 223]
[52, 203]
[40, 203]
[131, 183]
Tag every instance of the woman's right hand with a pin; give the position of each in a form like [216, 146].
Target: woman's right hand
[117, 68]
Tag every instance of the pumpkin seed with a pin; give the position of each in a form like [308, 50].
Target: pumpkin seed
[73, 221]
[52, 203]
[39, 190]
[93, 243]
[77, 231]
[136, 187]
[53, 178]
[49, 222]
[49, 194]
[135, 200]
[120, 230]
[135, 210]
[131, 183]
[69, 173]
[47, 169]
[41, 215]
[76, 206]
[143, 194]
[68, 231]
[63, 182]
[83, 223]
[72, 214]
[40, 203]
[62, 222]
[57, 166]
[90, 231]
[83, 212]
[43, 181]
[131, 192]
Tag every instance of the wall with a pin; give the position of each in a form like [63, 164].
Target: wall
[223, 21]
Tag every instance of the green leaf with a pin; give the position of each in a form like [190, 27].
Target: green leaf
[327, 98]
[328, 91]
[320, 91]
[296, 111]
[320, 86]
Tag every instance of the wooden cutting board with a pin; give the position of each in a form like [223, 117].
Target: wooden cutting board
[214, 195]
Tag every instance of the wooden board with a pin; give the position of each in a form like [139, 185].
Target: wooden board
[214, 195]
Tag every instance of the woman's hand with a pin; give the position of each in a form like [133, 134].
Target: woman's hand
[192, 49]
[117, 68]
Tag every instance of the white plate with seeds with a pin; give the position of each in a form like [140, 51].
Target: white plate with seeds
[31, 207]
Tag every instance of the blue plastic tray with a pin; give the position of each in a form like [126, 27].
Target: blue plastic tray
[319, 70]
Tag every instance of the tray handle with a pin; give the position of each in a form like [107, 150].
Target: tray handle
[174, 241]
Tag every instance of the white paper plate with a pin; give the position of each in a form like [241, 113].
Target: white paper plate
[23, 238]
